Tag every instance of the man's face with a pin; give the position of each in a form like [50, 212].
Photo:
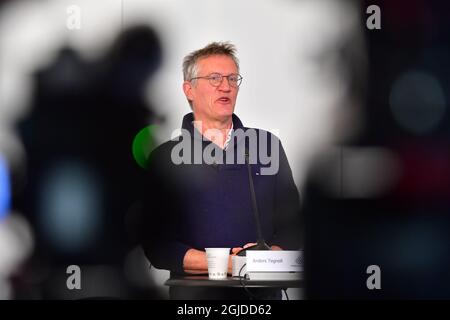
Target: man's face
[209, 102]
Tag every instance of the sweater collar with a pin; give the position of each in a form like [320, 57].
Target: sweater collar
[188, 125]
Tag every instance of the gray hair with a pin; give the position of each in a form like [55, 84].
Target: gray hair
[190, 66]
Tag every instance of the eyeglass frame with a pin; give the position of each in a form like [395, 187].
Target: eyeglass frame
[209, 77]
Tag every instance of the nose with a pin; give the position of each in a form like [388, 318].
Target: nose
[224, 85]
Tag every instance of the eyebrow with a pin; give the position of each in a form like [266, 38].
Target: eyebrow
[221, 73]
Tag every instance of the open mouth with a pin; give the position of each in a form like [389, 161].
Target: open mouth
[224, 100]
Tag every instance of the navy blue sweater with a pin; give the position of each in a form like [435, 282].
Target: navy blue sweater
[209, 205]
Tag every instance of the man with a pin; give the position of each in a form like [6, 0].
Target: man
[200, 192]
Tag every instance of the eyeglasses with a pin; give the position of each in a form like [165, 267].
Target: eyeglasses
[215, 79]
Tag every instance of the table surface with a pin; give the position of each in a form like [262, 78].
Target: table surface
[203, 281]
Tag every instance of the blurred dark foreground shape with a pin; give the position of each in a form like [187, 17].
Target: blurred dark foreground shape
[82, 182]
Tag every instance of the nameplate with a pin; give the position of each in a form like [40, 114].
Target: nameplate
[274, 261]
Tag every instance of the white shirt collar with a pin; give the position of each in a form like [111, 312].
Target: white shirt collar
[230, 133]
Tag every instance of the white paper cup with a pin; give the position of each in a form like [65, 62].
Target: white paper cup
[217, 262]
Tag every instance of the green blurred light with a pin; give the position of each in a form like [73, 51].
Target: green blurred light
[143, 144]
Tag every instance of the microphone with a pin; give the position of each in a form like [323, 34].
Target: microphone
[260, 244]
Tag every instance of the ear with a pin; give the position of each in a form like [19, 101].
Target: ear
[187, 88]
